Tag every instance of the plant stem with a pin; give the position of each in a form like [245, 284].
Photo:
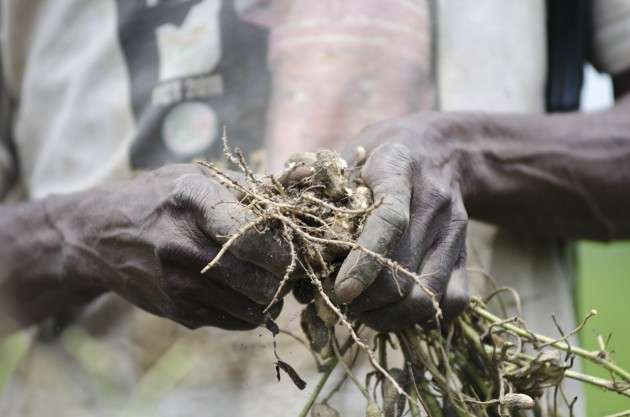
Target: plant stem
[621, 414]
[381, 343]
[421, 357]
[479, 385]
[429, 399]
[473, 338]
[593, 380]
[413, 408]
[415, 348]
[598, 382]
[330, 367]
[318, 388]
[591, 356]
[345, 367]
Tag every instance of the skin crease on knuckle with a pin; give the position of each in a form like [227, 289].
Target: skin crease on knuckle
[442, 257]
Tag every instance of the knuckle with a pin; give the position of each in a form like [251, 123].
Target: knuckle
[397, 150]
[255, 248]
[456, 234]
[438, 193]
[225, 221]
[396, 217]
[398, 285]
[178, 248]
[240, 248]
[388, 163]
[460, 217]
[188, 193]
[266, 288]
[167, 247]
[424, 305]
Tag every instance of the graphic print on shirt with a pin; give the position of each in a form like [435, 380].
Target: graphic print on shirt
[194, 67]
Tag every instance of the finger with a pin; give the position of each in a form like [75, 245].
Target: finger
[191, 250]
[412, 309]
[303, 291]
[435, 271]
[431, 215]
[189, 289]
[221, 216]
[389, 287]
[235, 304]
[187, 312]
[214, 317]
[388, 174]
[446, 231]
[445, 256]
[226, 221]
[419, 304]
[250, 280]
[205, 315]
[448, 247]
[456, 298]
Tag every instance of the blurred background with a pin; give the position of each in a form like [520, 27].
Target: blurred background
[603, 281]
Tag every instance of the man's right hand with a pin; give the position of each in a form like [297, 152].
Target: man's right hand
[147, 239]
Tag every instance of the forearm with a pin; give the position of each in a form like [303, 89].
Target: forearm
[565, 175]
[339, 66]
[33, 284]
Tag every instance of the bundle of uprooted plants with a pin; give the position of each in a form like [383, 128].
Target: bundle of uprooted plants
[479, 365]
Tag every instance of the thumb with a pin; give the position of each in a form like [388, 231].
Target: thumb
[388, 173]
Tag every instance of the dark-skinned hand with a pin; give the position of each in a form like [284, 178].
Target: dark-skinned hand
[147, 239]
[421, 225]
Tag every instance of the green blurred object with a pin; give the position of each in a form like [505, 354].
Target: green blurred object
[12, 350]
[604, 285]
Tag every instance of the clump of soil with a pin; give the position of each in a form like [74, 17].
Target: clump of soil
[327, 204]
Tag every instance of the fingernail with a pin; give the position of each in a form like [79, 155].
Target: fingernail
[350, 289]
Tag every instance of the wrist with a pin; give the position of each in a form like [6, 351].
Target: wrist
[32, 247]
[73, 217]
[473, 141]
[33, 279]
